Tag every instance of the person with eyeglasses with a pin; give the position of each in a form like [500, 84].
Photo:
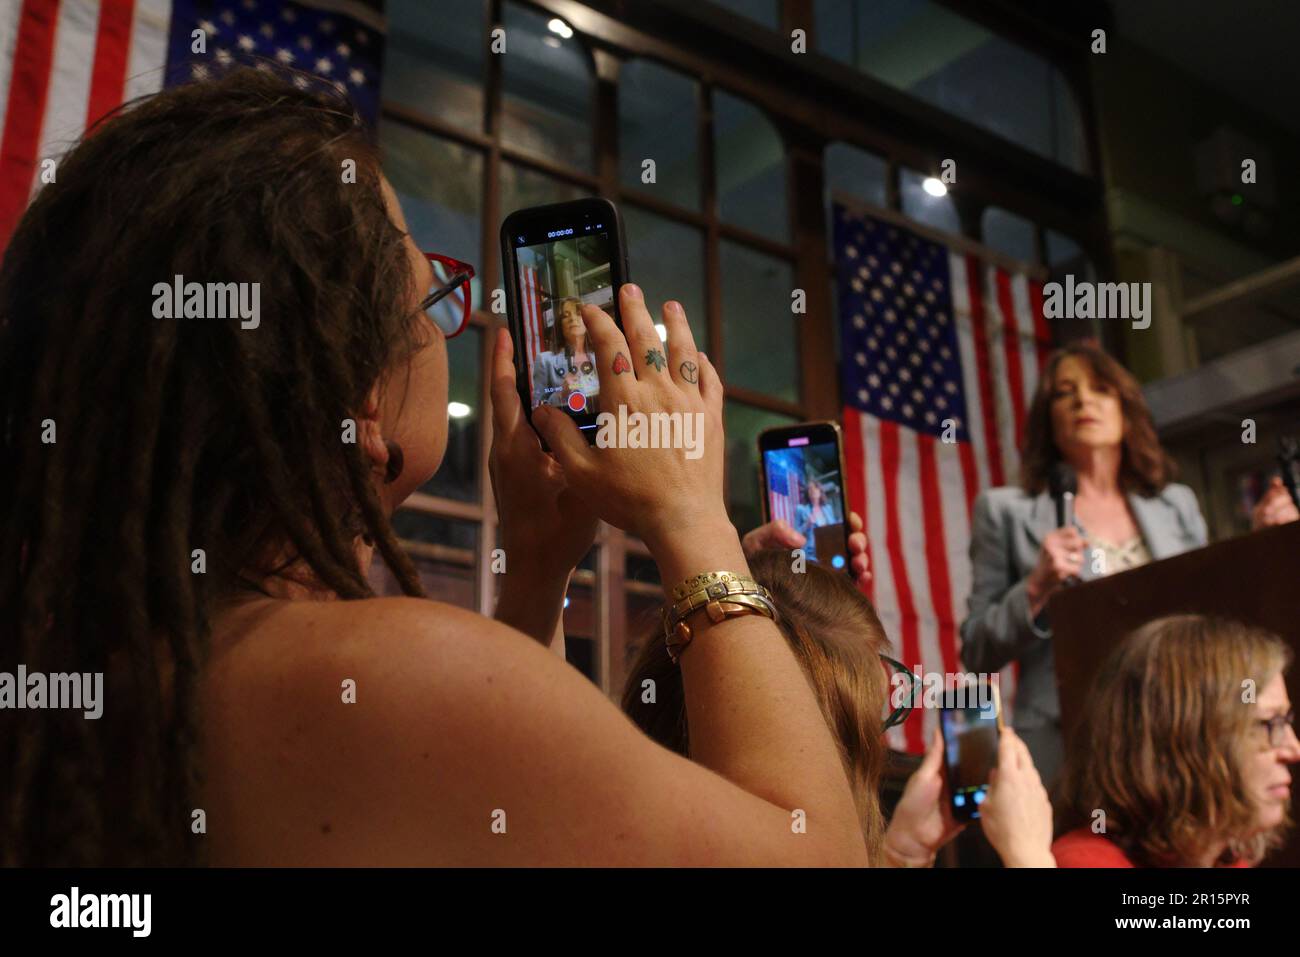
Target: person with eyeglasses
[195, 508]
[842, 648]
[569, 366]
[1184, 750]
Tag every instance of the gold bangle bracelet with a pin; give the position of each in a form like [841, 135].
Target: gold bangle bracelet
[722, 594]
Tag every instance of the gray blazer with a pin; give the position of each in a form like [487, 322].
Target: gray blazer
[1008, 531]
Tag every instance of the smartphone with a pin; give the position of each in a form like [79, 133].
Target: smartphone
[971, 720]
[801, 473]
[556, 258]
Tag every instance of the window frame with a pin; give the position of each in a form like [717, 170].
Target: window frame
[759, 68]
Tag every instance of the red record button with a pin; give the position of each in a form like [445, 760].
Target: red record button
[577, 401]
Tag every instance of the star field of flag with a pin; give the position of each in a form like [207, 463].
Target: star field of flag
[343, 51]
[899, 338]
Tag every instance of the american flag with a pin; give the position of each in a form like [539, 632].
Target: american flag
[66, 63]
[941, 352]
[531, 295]
[783, 492]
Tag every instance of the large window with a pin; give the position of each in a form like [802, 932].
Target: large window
[548, 90]
[433, 61]
[658, 120]
[751, 179]
[467, 136]
[927, 49]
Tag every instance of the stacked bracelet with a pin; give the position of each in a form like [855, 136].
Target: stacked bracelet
[722, 594]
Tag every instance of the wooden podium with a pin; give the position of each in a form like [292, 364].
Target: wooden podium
[1254, 578]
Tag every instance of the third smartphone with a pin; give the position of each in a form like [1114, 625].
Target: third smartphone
[971, 720]
[801, 472]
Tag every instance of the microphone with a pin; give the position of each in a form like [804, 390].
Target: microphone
[1063, 484]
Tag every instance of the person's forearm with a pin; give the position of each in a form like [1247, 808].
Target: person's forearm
[753, 716]
[532, 600]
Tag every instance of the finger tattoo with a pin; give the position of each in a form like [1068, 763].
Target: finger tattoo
[690, 371]
[655, 357]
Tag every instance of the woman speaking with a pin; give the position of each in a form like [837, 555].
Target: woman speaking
[1088, 413]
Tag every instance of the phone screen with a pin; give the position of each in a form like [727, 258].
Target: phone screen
[806, 489]
[970, 722]
[560, 268]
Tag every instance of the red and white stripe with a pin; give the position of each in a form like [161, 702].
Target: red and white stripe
[531, 303]
[916, 492]
[64, 64]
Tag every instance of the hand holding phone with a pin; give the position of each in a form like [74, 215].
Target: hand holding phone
[801, 473]
[660, 492]
[1017, 814]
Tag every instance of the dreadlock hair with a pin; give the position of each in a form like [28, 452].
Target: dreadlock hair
[170, 435]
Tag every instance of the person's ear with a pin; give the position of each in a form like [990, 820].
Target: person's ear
[372, 436]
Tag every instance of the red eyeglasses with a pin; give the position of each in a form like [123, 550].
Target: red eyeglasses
[449, 301]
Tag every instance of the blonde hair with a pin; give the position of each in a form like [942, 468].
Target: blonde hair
[1164, 735]
[837, 638]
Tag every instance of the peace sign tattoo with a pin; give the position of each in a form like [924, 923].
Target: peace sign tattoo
[690, 371]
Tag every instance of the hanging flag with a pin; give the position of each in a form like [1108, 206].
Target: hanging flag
[941, 353]
[64, 64]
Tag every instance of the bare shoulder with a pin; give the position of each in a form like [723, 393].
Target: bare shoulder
[400, 731]
[324, 720]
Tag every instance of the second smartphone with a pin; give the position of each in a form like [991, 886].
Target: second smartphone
[801, 473]
[555, 259]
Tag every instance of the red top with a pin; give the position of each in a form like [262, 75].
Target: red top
[1082, 848]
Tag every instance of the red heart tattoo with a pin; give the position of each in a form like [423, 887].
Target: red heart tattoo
[621, 364]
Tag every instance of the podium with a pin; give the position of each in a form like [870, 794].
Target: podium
[1253, 578]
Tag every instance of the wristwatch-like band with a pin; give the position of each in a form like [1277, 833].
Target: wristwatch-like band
[722, 594]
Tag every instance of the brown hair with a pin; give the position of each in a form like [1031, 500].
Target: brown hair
[1163, 736]
[176, 435]
[837, 638]
[558, 343]
[1145, 467]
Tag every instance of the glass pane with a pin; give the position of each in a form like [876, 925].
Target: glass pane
[666, 260]
[657, 116]
[1008, 233]
[433, 61]
[521, 187]
[548, 87]
[743, 423]
[750, 168]
[937, 211]
[758, 327]
[1065, 256]
[927, 49]
[857, 173]
[445, 553]
[440, 186]
[458, 476]
[766, 12]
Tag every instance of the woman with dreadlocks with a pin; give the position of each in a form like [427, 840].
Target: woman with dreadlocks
[195, 504]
